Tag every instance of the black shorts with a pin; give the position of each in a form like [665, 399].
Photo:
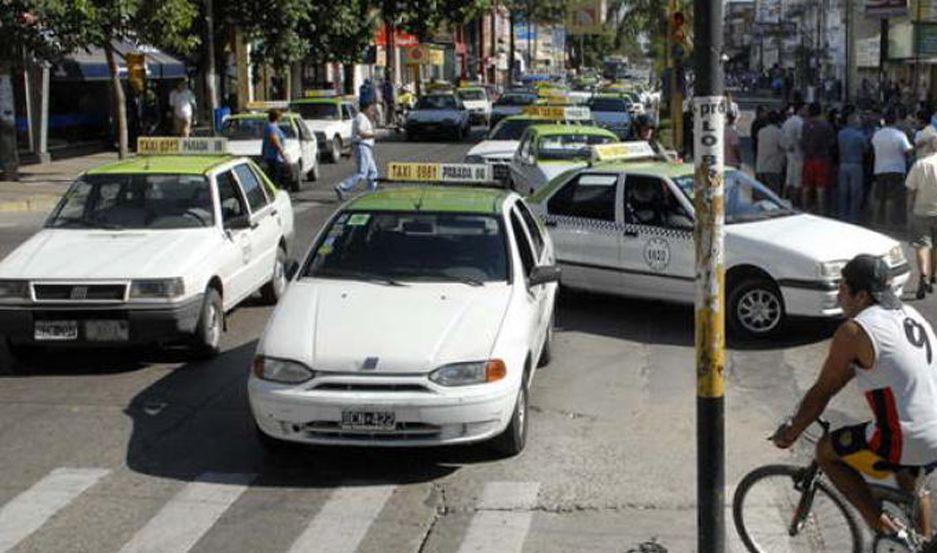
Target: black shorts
[850, 444]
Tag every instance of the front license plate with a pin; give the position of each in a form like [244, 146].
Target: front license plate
[55, 331]
[369, 420]
[107, 331]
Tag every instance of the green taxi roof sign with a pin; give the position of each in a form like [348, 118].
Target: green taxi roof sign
[174, 145]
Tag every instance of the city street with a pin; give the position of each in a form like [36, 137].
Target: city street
[105, 452]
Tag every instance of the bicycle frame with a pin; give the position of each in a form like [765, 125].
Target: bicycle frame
[806, 483]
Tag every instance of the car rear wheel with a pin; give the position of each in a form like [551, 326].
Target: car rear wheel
[336, 154]
[274, 289]
[756, 308]
[512, 441]
[296, 181]
[206, 342]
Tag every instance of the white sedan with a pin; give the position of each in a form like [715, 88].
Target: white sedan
[626, 228]
[418, 319]
[244, 132]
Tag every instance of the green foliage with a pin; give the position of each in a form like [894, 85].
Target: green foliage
[340, 31]
[424, 17]
[44, 28]
[163, 23]
[273, 25]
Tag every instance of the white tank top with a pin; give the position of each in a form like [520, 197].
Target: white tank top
[901, 386]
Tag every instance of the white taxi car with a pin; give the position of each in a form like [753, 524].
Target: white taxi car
[245, 131]
[149, 250]
[477, 103]
[418, 318]
[329, 117]
[546, 151]
[438, 113]
[625, 227]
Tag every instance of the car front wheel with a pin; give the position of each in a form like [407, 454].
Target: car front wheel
[207, 337]
[512, 441]
[756, 308]
[336, 154]
[274, 289]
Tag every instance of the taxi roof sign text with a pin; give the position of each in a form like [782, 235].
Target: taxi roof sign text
[439, 172]
[623, 151]
[320, 93]
[272, 104]
[174, 145]
[570, 113]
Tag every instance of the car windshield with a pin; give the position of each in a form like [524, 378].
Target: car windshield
[252, 129]
[472, 95]
[439, 101]
[745, 198]
[407, 246]
[321, 111]
[516, 100]
[512, 129]
[569, 146]
[140, 201]
[609, 104]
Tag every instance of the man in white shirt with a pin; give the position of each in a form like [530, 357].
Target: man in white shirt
[362, 138]
[769, 164]
[182, 101]
[922, 204]
[791, 133]
[891, 147]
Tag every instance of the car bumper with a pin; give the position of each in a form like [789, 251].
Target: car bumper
[478, 117]
[430, 128]
[145, 324]
[815, 298]
[425, 418]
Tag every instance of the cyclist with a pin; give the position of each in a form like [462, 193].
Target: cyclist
[888, 347]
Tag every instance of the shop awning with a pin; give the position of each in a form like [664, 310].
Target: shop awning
[91, 64]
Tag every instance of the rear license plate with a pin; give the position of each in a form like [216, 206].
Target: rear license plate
[55, 331]
[107, 331]
[369, 420]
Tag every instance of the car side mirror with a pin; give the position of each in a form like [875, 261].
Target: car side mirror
[542, 274]
[238, 222]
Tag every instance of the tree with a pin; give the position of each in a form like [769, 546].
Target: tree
[163, 23]
[274, 25]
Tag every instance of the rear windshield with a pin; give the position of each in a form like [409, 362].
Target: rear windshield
[516, 100]
[569, 146]
[512, 130]
[406, 246]
[441, 101]
[328, 112]
[252, 129]
[472, 95]
[609, 104]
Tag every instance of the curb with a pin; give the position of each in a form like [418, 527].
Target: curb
[43, 202]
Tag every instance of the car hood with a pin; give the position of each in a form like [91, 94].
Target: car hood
[334, 325]
[322, 125]
[495, 148]
[252, 148]
[817, 238]
[105, 254]
[434, 115]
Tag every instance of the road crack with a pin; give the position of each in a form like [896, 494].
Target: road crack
[440, 511]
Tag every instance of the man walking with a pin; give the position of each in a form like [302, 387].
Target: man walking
[922, 204]
[790, 140]
[853, 147]
[182, 101]
[769, 163]
[891, 148]
[761, 119]
[362, 139]
[818, 140]
[273, 150]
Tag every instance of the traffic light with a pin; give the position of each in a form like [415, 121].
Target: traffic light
[678, 39]
[136, 71]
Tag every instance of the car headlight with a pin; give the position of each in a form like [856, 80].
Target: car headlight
[281, 370]
[464, 374]
[895, 257]
[159, 288]
[474, 159]
[832, 270]
[14, 289]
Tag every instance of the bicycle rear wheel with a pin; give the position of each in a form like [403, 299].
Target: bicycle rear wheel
[764, 507]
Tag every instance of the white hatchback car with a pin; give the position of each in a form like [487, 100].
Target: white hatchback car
[418, 319]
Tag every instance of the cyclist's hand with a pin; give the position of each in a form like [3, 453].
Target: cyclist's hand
[784, 437]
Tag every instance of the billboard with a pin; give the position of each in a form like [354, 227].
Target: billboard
[886, 8]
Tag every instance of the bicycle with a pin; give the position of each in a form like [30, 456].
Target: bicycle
[796, 513]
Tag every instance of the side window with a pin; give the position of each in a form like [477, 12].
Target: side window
[589, 195]
[523, 245]
[348, 111]
[229, 196]
[524, 148]
[532, 226]
[650, 201]
[256, 197]
[303, 130]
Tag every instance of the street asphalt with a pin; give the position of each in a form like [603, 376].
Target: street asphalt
[104, 452]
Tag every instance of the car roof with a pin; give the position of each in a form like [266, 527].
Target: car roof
[447, 198]
[555, 129]
[325, 100]
[163, 165]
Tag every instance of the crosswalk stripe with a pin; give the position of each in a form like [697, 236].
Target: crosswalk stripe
[503, 529]
[28, 511]
[188, 515]
[343, 521]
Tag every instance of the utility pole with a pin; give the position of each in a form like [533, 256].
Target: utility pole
[211, 79]
[709, 109]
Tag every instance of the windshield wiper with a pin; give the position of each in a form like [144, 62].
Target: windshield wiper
[359, 275]
[88, 223]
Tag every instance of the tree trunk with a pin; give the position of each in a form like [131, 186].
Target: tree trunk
[211, 79]
[119, 106]
[390, 49]
[9, 157]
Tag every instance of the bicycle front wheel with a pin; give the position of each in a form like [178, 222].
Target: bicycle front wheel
[765, 506]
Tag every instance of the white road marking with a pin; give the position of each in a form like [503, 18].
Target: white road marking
[503, 529]
[28, 511]
[343, 521]
[188, 515]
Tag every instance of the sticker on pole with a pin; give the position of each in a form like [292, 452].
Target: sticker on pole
[439, 172]
[559, 113]
[709, 116]
[173, 145]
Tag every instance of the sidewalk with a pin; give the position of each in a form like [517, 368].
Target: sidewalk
[40, 186]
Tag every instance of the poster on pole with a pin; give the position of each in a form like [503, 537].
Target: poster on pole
[886, 8]
[584, 17]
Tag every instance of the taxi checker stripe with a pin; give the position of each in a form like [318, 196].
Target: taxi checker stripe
[28, 511]
[606, 226]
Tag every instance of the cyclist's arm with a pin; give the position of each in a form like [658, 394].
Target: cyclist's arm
[837, 372]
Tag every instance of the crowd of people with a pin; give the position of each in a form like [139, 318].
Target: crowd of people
[860, 166]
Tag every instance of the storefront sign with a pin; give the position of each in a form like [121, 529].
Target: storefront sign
[868, 51]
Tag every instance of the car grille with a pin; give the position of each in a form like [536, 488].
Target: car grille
[80, 292]
[359, 387]
[402, 431]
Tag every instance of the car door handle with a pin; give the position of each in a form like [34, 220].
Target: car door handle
[274, 212]
[631, 233]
